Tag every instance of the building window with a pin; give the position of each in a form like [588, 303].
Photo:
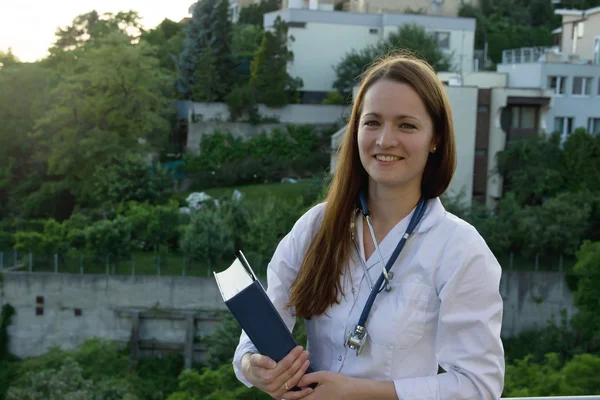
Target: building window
[582, 86]
[293, 24]
[443, 39]
[564, 125]
[523, 117]
[557, 84]
[594, 125]
[78, 312]
[596, 57]
[374, 31]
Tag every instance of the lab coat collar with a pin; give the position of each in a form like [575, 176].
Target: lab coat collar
[434, 213]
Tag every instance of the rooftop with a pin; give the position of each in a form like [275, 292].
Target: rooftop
[370, 20]
[540, 54]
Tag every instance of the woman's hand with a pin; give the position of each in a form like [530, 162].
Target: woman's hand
[334, 386]
[276, 379]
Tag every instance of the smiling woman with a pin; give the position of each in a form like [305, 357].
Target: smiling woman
[383, 222]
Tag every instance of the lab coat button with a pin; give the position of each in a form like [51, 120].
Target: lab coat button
[340, 358]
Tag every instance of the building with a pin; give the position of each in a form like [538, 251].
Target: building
[580, 33]
[571, 70]
[323, 37]
[487, 116]
[442, 8]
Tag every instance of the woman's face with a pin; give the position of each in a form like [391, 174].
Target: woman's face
[395, 135]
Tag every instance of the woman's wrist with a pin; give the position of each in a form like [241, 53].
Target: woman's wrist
[366, 388]
[245, 363]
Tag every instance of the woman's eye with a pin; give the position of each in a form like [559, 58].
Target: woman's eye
[371, 123]
[407, 126]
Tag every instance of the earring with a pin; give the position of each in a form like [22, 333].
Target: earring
[434, 149]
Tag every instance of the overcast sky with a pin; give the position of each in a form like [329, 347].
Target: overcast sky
[28, 26]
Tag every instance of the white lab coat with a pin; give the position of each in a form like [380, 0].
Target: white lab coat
[444, 308]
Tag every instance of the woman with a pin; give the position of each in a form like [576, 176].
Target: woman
[444, 307]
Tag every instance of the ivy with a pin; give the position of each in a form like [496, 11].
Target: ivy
[6, 315]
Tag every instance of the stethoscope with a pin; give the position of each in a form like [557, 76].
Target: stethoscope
[356, 338]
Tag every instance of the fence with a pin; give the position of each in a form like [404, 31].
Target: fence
[136, 264]
[173, 264]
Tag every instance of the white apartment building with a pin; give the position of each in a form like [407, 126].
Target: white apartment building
[571, 71]
[323, 37]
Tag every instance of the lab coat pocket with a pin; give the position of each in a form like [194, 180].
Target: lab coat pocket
[398, 318]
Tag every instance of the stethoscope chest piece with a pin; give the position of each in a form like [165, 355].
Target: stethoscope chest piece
[356, 339]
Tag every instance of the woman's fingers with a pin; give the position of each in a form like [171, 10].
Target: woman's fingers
[296, 368]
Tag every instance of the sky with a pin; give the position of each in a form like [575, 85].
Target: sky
[28, 27]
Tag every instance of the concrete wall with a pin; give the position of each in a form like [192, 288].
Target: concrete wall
[481, 80]
[531, 298]
[206, 118]
[464, 115]
[527, 75]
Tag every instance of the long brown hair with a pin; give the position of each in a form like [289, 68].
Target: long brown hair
[318, 284]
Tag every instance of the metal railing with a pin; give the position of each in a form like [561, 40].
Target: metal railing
[525, 54]
[554, 398]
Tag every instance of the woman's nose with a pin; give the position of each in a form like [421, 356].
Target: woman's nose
[386, 137]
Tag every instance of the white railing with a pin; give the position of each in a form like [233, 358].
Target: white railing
[524, 54]
[554, 398]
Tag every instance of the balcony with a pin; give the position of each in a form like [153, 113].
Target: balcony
[542, 54]
[527, 54]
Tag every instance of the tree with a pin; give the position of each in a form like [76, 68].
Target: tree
[209, 36]
[8, 58]
[410, 37]
[110, 240]
[270, 81]
[112, 99]
[207, 238]
[24, 90]
[88, 30]
[167, 40]
[587, 320]
[128, 177]
[253, 13]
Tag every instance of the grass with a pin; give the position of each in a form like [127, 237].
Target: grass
[258, 192]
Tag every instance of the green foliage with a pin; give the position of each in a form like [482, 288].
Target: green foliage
[96, 370]
[206, 53]
[222, 341]
[227, 161]
[101, 107]
[269, 223]
[167, 40]
[129, 178]
[53, 240]
[6, 315]
[525, 378]
[218, 384]
[110, 238]
[587, 321]
[208, 238]
[511, 24]
[153, 227]
[334, 98]
[270, 81]
[252, 14]
[410, 38]
[23, 98]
